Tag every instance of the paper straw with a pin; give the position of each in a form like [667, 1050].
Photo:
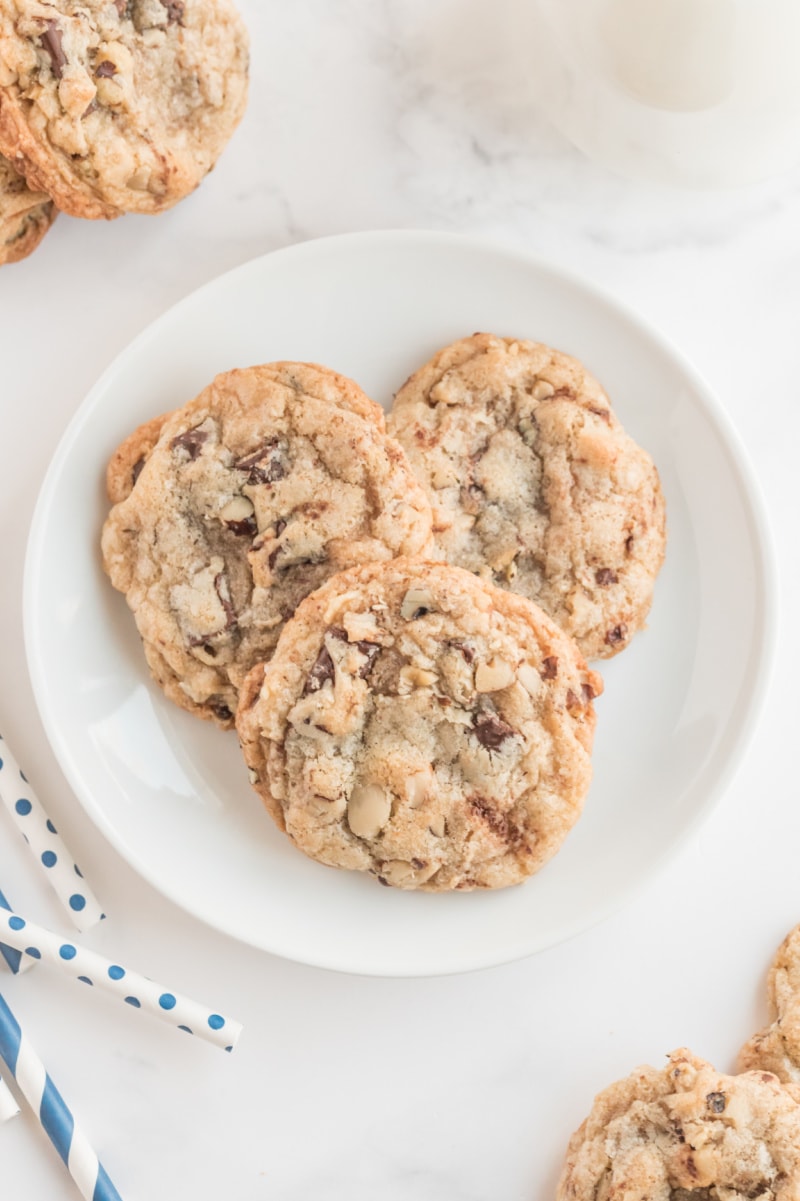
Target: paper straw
[138, 991]
[8, 1103]
[14, 958]
[54, 1116]
[46, 844]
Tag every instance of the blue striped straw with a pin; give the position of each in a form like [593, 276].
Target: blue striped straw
[50, 1108]
[14, 958]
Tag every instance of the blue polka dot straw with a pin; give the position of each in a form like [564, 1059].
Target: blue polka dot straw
[46, 844]
[50, 1108]
[136, 990]
[14, 958]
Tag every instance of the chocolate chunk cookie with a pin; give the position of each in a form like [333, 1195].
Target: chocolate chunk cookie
[420, 724]
[25, 216]
[535, 485]
[114, 106]
[777, 1048]
[687, 1133]
[252, 496]
[310, 379]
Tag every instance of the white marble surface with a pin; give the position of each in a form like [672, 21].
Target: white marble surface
[368, 114]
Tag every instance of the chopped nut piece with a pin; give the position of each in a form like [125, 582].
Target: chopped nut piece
[494, 675]
[361, 627]
[529, 678]
[415, 677]
[416, 603]
[418, 786]
[368, 810]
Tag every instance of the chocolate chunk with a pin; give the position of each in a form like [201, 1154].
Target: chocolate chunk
[224, 593]
[266, 465]
[716, 1102]
[497, 822]
[490, 730]
[51, 41]
[191, 441]
[105, 70]
[322, 671]
[616, 634]
[174, 11]
[220, 709]
[605, 576]
[371, 650]
[575, 701]
[418, 864]
[549, 668]
[245, 528]
[136, 470]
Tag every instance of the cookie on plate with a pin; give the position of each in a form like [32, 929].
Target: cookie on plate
[535, 485]
[25, 216]
[114, 106]
[252, 496]
[310, 379]
[687, 1133]
[777, 1048]
[420, 724]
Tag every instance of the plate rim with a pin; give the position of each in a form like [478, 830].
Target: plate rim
[765, 625]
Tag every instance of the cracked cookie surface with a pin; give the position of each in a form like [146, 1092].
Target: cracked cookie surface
[25, 216]
[777, 1048]
[115, 106]
[420, 724]
[535, 485]
[310, 379]
[687, 1133]
[252, 496]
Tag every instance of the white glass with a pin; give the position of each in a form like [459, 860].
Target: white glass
[698, 93]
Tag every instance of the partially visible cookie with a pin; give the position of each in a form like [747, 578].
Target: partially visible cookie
[310, 379]
[777, 1048]
[687, 1133]
[252, 496]
[25, 216]
[420, 724]
[535, 485]
[115, 106]
[127, 461]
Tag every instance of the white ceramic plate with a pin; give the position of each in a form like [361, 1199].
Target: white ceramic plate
[171, 793]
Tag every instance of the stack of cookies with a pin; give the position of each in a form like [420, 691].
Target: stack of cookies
[397, 622]
[111, 107]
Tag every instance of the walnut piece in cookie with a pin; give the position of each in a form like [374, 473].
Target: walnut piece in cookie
[777, 1048]
[535, 485]
[687, 1133]
[114, 106]
[420, 724]
[25, 216]
[244, 501]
